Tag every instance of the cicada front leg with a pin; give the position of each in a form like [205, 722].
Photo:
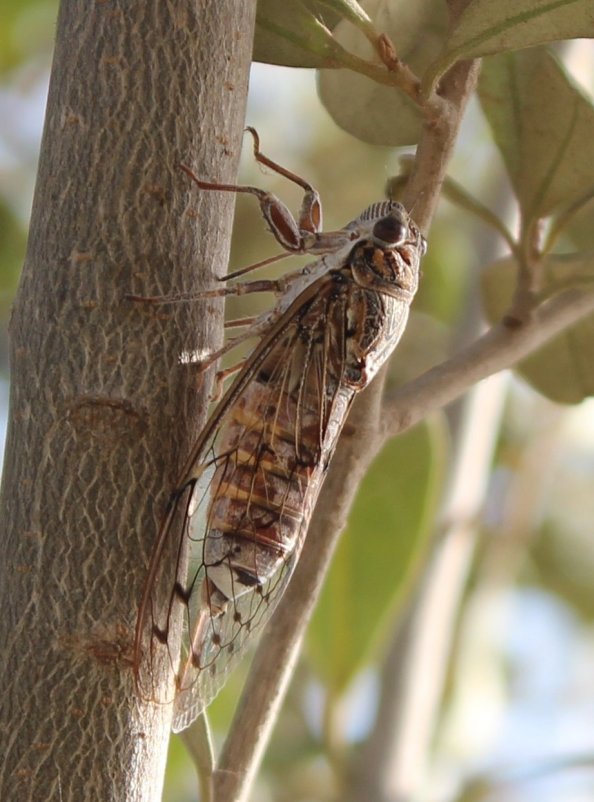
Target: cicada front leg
[310, 215]
[303, 235]
[295, 236]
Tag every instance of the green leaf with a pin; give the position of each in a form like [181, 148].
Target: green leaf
[543, 127]
[563, 370]
[26, 30]
[372, 112]
[456, 193]
[12, 253]
[387, 532]
[349, 10]
[486, 27]
[297, 34]
[578, 229]
[561, 552]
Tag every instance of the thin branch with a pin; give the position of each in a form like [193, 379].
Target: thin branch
[198, 741]
[436, 145]
[392, 72]
[393, 762]
[397, 75]
[408, 80]
[500, 348]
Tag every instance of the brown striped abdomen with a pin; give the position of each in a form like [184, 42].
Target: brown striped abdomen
[268, 460]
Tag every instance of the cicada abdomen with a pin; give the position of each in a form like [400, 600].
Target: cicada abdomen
[250, 485]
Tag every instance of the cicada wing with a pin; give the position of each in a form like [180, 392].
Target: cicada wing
[159, 624]
[221, 642]
[262, 490]
[247, 499]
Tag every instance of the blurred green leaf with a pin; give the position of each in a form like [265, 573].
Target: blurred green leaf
[458, 195]
[26, 29]
[444, 285]
[423, 345]
[296, 34]
[372, 112]
[563, 370]
[579, 229]
[387, 532]
[564, 560]
[542, 125]
[486, 27]
[12, 252]
[180, 773]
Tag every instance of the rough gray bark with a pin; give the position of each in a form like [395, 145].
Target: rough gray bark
[102, 410]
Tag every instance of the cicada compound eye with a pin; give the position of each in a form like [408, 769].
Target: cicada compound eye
[390, 231]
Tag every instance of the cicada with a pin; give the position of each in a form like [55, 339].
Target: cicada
[247, 492]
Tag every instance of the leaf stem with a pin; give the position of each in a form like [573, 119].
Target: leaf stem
[456, 194]
[198, 741]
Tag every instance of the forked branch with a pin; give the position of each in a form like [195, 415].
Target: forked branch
[500, 348]
[279, 646]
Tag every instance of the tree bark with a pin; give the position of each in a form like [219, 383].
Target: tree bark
[102, 409]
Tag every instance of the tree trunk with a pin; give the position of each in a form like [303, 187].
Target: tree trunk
[102, 409]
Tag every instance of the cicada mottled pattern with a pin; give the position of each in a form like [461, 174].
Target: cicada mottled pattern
[250, 485]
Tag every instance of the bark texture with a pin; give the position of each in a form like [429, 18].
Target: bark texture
[102, 409]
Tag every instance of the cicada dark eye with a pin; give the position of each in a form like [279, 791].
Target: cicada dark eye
[390, 231]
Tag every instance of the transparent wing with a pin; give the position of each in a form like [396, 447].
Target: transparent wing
[246, 501]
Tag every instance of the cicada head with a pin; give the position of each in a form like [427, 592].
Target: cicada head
[387, 256]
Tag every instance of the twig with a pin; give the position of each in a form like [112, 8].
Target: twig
[498, 349]
[392, 764]
[392, 761]
[197, 740]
